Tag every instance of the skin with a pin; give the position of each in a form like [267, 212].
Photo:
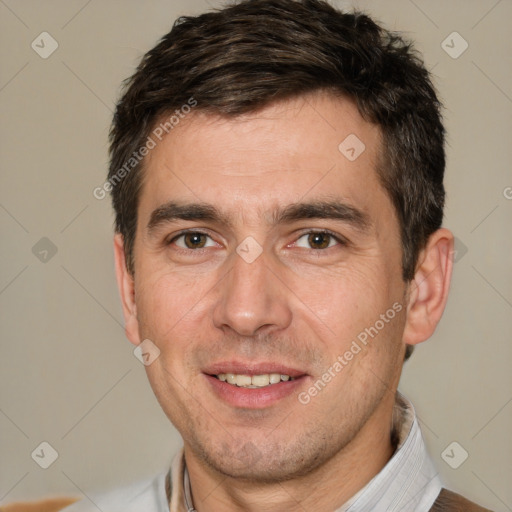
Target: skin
[301, 302]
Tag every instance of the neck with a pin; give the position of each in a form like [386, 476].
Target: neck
[326, 488]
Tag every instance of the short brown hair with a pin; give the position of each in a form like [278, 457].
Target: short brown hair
[242, 58]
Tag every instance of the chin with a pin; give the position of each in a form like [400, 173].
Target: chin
[268, 463]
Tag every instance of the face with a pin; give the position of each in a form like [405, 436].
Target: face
[262, 250]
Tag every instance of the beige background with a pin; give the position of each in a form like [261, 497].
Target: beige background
[69, 377]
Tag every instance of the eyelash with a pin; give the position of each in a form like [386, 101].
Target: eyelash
[340, 240]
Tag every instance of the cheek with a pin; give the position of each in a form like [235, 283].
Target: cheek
[348, 320]
[344, 300]
[168, 308]
[167, 302]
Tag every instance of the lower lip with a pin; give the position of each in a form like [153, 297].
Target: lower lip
[254, 398]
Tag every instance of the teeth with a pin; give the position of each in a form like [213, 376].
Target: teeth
[260, 380]
[254, 381]
[243, 380]
[275, 378]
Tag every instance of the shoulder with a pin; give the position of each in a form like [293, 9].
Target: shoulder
[148, 495]
[449, 501]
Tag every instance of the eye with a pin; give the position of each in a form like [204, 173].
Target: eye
[318, 240]
[193, 240]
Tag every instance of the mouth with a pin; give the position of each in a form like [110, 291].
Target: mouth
[253, 381]
[253, 385]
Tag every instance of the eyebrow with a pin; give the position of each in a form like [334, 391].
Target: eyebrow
[329, 210]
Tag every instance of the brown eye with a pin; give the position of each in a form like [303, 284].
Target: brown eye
[193, 240]
[319, 240]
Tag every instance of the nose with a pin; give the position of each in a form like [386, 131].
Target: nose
[251, 299]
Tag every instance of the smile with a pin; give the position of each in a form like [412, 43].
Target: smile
[253, 381]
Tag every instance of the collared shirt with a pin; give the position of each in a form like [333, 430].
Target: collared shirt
[407, 483]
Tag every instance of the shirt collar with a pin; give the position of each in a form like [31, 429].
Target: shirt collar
[407, 483]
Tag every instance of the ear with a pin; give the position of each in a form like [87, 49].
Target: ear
[428, 291]
[127, 291]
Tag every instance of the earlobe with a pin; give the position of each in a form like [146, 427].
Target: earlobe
[126, 287]
[429, 289]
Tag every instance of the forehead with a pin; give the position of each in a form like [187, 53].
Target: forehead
[311, 147]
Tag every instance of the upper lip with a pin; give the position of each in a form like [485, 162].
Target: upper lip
[252, 368]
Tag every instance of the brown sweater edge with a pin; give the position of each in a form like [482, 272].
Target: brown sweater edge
[449, 501]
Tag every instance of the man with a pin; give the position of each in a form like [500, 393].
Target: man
[277, 178]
